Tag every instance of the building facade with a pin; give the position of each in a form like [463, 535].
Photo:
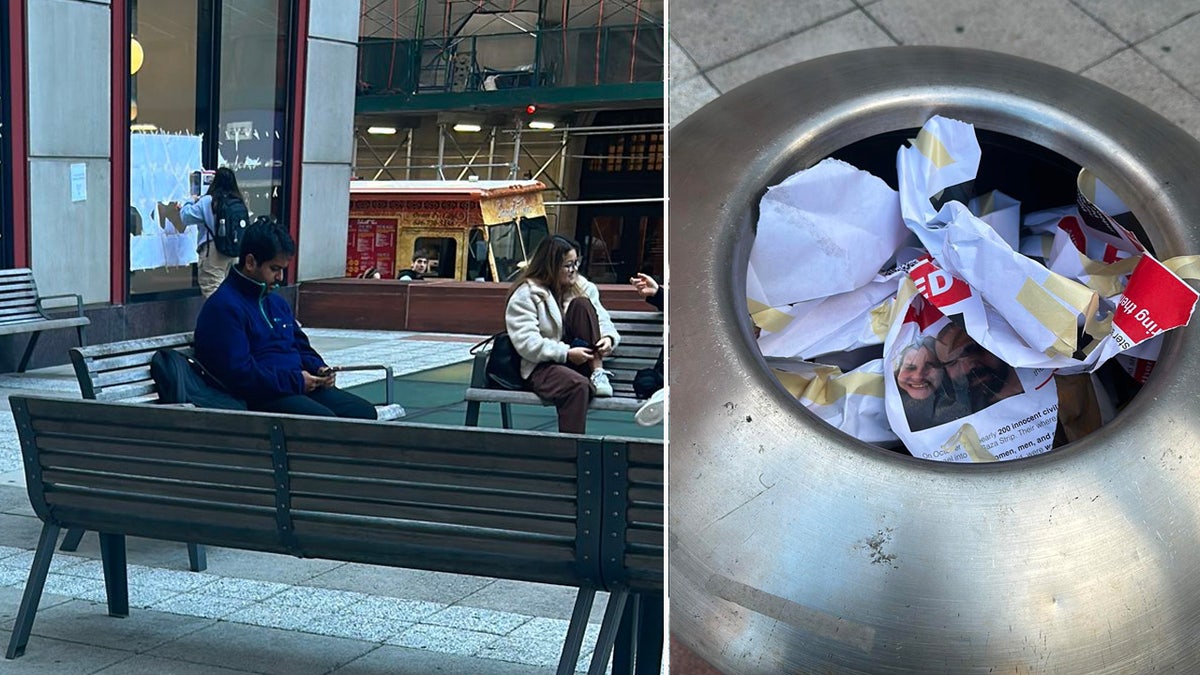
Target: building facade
[112, 112]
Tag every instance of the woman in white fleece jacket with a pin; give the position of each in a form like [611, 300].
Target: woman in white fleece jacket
[562, 332]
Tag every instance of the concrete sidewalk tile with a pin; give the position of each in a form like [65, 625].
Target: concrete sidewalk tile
[680, 66]
[845, 33]
[391, 660]
[10, 602]
[174, 580]
[476, 619]
[532, 598]
[393, 609]
[257, 614]
[58, 563]
[368, 627]
[714, 31]
[93, 589]
[10, 551]
[437, 587]
[12, 576]
[263, 650]
[15, 500]
[553, 630]
[1131, 74]
[443, 639]
[50, 656]
[1177, 51]
[143, 664]
[522, 650]
[199, 604]
[247, 589]
[1053, 31]
[299, 598]
[1135, 21]
[89, 623]
[688, 96]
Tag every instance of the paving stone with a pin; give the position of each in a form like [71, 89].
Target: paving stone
[1051, 31]
[143, 664]
[89, 623]
[315, 599]
[478, 620]
[443, 639]
[1135, 21]
[688, 96]
[366, 626]
[845, 33]
[1176, 51]
[523, 650]
[48, 656]
[248, 589]
[10, 602]
[390, 660]
[680, 66]
[256, 614]
[1132, 74]
[553, 630]
[263, 650]
[198, 604]
[532, 598]
[715, 31]
[272, 567]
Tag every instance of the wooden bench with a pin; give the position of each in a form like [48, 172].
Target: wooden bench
[641, 342]
[579, 511]
[22, 310]
[120, 371]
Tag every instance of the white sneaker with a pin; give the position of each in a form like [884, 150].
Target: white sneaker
[652, 411]
[600, 384]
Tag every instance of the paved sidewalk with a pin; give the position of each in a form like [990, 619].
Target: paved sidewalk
[1148, 50]
[265, 613]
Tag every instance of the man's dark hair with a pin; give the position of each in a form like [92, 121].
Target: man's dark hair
[266, 238]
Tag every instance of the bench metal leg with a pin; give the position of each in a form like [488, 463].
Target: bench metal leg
[625, 648]
[472, 414]
[71, 541]
[608, 632]
[197, 558]
[33, 591]
[116, 583]
[505, 416]
[575, 631]
[33, 340]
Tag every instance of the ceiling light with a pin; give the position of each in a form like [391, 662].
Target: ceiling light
[541, 124]
[386, 131]
[468, 127]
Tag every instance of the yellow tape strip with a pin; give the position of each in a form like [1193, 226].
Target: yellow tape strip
[829, 386]
[931, 146]
[1185, 266]
[968, 439]
[1070, 291]
[1046, 309]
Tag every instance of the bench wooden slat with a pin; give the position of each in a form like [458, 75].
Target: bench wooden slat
[468, 476]
[416, 511]
[548, 504]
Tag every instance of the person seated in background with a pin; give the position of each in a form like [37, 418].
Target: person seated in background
[648, 382]
[370, 273]
[248, 338]
[420, 265]
[562, 332]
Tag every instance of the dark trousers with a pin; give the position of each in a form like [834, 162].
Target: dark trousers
[567, 385]
[323, 402]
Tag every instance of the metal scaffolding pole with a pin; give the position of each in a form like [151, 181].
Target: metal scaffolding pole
[516, 160]
[441, 151]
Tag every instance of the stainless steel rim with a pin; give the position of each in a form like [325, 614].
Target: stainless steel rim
[794, 547]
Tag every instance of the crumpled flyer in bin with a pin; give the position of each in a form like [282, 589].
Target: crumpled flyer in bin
[977, 325]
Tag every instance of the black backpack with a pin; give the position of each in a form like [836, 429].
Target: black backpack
[181, 379]
[231, 221]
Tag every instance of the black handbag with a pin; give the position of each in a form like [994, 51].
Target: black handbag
[503, 367]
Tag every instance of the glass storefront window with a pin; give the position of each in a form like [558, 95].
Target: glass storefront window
[208, 88]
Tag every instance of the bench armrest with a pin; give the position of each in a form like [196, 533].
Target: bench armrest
[78, 302]
[479, 369]
[387, 383]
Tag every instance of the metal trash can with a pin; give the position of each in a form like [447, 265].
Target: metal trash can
[795, 548]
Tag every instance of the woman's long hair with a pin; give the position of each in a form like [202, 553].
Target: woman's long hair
[543, 268]
[224, 184]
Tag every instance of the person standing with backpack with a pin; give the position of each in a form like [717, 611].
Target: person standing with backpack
[222, 217]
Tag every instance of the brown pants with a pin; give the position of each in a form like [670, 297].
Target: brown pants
[567, 385]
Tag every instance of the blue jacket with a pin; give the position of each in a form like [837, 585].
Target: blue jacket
[249, 338]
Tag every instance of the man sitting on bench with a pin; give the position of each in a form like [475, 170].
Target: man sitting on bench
[249, 339]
